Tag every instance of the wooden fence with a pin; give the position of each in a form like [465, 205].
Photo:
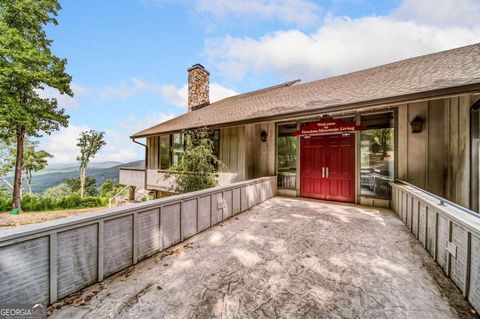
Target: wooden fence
[450, 233]
[44, 262]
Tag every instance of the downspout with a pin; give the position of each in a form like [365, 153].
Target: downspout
[146, 160]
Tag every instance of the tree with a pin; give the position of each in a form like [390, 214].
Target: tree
[57, 192]
[27, 66]
[89, 143]
[90, 186]
[197, 165]
[34, 161]
[109, 188]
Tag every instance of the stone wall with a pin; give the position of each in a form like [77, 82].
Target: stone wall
[198, 87]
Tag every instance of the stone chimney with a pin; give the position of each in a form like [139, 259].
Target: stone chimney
[198, 87]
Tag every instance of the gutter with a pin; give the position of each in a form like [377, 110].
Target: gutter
[146, 160]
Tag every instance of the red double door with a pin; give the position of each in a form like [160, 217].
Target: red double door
[327, 167]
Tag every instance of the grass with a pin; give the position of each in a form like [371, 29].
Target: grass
[8, 220]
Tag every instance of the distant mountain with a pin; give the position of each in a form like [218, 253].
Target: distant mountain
[99, 171]
[106, 164]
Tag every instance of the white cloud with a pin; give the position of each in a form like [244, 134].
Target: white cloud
[172, 94]
[119, 147]
[63, 100]
[299, 12]
[445, 12]
[340, 45]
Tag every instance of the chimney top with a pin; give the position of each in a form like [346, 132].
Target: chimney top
[198, 66]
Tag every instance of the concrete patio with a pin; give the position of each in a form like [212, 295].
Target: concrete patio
[285, 258]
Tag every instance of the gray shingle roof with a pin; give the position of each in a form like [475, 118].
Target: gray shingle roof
[395, 81]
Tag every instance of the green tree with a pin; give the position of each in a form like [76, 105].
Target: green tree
[27, 66]
[197, 165]
[34, 161]
[57, 192]
[90, 186]
[109, 188]
[89, 143]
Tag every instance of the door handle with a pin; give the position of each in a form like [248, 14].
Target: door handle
[323, 172]
[327, 171]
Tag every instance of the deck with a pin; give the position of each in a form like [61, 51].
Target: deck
[285, 258]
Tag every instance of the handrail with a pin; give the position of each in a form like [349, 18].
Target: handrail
[442, 200]
[110, 200]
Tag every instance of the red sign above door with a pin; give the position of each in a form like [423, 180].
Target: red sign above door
[328, 126]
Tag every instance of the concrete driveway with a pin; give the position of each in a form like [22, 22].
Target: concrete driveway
[285, 258]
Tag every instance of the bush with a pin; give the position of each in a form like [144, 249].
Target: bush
[37, 203]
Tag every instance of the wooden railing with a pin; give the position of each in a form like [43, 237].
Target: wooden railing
[132, 176]
[449, 232]
[44, 262]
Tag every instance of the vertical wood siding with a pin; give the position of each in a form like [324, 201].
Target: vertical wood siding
[438, 158]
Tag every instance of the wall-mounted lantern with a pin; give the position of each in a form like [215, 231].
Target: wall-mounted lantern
[263, 136]
[417, 124]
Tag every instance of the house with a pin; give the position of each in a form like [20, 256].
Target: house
[344, 138]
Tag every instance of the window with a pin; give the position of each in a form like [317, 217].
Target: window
[164, 151]
[475, 157]
[287, 156]
[177, 147]
[377, 155]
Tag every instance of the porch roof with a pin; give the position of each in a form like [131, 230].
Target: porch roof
[448, 72]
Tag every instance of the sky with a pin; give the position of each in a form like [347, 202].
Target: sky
[129, 58]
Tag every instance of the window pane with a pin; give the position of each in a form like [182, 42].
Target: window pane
[287, 156]
[377, 155]
[475, 157]
[177, 146]
[165, 152]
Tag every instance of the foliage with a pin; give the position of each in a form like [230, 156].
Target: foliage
[7, 160]
[59, 191]
[38, 203]
[89, 143]
[109, 188]
[28, 66]
[287, 152]
[196, 167]
[34, 161]
[4, 193]
[90, 186]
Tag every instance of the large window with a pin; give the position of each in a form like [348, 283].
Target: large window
[172, 146]
[377, 155]
[287, 156]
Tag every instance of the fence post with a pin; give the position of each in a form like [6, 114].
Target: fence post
[53, 267]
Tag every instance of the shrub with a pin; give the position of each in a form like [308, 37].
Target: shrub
[37, 203]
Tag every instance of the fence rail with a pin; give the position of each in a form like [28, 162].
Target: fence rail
[44, 262]
[451, 234]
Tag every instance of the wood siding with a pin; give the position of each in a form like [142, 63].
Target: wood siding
[438, 158]
[153, 145]
[232, 152]
[260, 156]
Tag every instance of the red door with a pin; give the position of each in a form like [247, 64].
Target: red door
[327, 167]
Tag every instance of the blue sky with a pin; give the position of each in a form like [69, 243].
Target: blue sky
[129, 58]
